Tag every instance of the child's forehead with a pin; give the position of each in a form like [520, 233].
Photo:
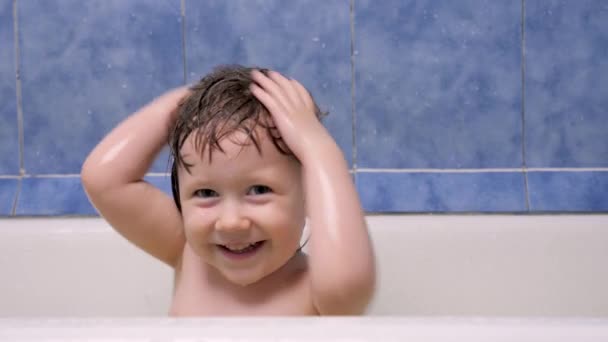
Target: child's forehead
[235, 145]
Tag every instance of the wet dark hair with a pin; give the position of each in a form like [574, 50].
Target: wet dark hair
[220, 104]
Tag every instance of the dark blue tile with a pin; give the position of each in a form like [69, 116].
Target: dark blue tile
[8, 191]
[53, 197]
[566, 83]
[438, 83]
[568, 191]
[309, 41]
[441, 192]
[9, 143]
[86, 65]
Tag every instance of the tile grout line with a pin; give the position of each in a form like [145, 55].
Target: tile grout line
[523, 103]
[18, 88]
[16, 200]
[352, 84]
[362, 170]
[183, 15]
[497, 170]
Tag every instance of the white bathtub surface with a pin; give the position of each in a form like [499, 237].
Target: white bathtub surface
[305, 329]
[428, 265]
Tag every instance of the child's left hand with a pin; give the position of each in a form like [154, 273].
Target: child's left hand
[342, 266]
[292, 110]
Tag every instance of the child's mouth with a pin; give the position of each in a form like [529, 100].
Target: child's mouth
[242, 250]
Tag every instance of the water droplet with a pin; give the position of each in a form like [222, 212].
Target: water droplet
[89, 112]
[315, 39]
[124, 86]
[109, 66]
[356, 52]
[242, 38]
[323, 46]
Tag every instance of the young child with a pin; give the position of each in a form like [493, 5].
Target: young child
[252, 162]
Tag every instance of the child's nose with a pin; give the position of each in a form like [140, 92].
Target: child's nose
[232, 220]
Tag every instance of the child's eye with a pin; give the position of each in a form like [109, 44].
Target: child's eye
[259, 190]
[205, 193]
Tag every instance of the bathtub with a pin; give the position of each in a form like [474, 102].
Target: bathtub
[507, 272]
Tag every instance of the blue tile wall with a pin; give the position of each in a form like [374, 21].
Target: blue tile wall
[56, 196]
[8, 193]
[440, 106]
[9, 143]
[568, 191]
[104, 59]
[52, 196]
[438, 84]
[567, 83]
[442, 192]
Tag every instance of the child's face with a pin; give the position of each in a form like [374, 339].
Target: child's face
[244, 211]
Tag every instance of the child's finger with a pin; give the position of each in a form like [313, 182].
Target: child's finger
[271, 88]
[268, 101]
[303, 94]
[288, 90]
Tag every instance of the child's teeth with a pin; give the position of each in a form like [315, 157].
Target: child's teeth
[239, 247]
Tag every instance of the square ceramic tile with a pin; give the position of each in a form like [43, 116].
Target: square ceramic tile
[9, 141]
[438, 84]
[87, 65]
[304, 39]
[566, 83]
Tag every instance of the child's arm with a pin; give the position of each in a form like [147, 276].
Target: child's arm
[342, 265]
[113, 173]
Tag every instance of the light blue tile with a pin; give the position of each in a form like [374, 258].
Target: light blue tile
[9, 143]
[86, 65]
[53, 197]
[64, 196]
[307, 40]
[568, 191]
[441, 192]
[438, 83]
[8, 192]
[567, 83]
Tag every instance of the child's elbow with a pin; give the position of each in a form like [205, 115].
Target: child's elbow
[90, 178]
[350, 296]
